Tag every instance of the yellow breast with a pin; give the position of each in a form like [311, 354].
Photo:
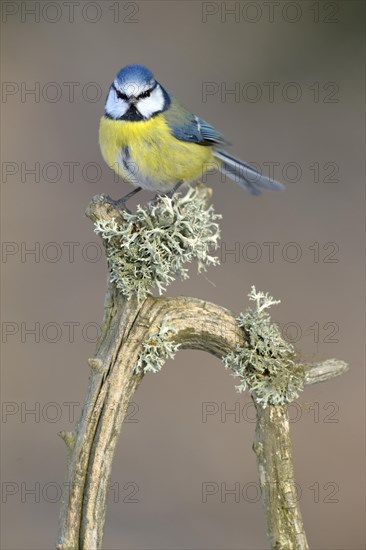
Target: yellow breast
[160, 159]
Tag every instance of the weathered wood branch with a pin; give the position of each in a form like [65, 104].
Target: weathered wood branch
[272, 446]
[199, 325]
[321, 372]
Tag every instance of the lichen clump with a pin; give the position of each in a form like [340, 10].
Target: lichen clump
[157, 349]
[266, 364]
[149, 248]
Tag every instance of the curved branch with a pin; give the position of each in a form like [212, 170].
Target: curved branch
[126, 326]
[199, 325]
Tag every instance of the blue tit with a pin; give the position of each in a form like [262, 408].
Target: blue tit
[154, 143]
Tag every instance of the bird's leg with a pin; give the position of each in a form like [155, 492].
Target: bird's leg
[122, 201]
[175, 188]
[169, 193]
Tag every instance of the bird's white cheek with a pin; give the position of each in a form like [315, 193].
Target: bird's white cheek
[115, 107]
[153, 104]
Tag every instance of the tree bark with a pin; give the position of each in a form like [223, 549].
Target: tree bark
[272, 446]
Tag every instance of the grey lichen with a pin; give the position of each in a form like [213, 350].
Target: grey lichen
[266, 364]
[150, 247]
[157, 349]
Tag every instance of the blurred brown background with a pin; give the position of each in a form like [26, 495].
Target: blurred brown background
[310, 56]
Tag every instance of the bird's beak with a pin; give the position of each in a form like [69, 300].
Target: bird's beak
[133, 100]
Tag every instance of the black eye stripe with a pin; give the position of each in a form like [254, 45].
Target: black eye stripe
[119, 94]
[143, 95]
[148, 92]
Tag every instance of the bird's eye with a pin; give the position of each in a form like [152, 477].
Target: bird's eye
[145, 94]
[120, 95]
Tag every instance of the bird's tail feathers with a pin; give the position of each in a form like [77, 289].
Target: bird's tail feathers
[244, 175]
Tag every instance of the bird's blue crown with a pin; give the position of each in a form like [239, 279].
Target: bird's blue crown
[134, 74]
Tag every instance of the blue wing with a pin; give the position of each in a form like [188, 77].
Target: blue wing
[188, 127]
